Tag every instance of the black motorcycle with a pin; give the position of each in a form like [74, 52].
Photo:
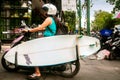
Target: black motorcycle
[105, 38]
[115, 45]
[67, 70]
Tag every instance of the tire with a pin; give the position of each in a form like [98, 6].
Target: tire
[72, 69]
[7, 65]
[112, 56]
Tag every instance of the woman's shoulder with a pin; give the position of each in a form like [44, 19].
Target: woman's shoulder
[49, 18]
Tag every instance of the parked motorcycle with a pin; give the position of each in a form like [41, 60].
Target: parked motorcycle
[67, 70]
[105, 37]
[115, 45]
[111, 42]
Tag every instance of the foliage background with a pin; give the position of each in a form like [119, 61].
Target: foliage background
[70, 19]
[102, 20]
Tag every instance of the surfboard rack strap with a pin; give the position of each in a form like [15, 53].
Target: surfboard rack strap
[77, 54]
[16, 62]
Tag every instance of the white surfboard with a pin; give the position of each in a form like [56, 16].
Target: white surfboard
[52, 50]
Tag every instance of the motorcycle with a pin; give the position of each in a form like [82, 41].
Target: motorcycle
[105, 38]
[112, 44]
[67, 70]
[115, 45]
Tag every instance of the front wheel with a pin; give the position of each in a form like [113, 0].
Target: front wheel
[72, 69]
[7, 65]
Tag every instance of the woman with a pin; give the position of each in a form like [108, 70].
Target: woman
[49, 27]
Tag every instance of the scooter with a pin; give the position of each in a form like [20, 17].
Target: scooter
[67, 70]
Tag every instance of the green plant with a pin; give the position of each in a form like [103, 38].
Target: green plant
[70, 19]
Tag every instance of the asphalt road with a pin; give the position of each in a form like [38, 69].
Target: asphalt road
[89, 70]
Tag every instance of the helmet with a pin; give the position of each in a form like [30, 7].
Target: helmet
[50, 8]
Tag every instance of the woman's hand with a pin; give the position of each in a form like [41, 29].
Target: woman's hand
[25, 30]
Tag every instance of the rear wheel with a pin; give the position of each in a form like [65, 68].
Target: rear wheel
[7, 65]
[71, 70]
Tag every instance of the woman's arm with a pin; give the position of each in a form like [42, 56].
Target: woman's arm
[41, 27]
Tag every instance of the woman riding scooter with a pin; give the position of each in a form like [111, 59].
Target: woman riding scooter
[49, 28]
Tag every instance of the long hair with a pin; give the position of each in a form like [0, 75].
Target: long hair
[37, 7]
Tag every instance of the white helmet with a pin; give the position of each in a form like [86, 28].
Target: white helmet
[51, 9]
